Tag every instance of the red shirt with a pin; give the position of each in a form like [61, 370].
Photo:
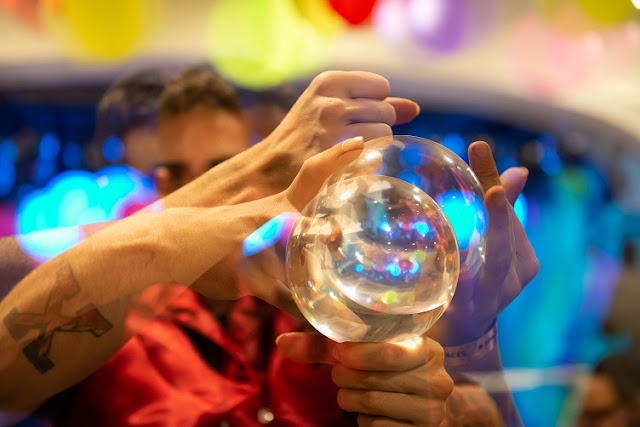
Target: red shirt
[185, 368]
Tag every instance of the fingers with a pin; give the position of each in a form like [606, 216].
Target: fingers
[371, 421]
[318, 168]
[390, 357]
[370, 111]
[500, 243]
[406, 110]
[397, 406]
[353, 84]
[307, 347]
[513, 180]
[483, 165]
[368, 131]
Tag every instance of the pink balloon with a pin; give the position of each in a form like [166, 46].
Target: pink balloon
[549, 62]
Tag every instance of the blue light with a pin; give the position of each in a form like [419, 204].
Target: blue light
[411, 177]
[359, 268]
[7, 176]
[506, 162]
[455, 143]
[393, 269]
[551, 163]
[268, 233]
[8, 151]
[414, 268]
[72, 155]
[46, 244]
[467, 215]
[113, 149]
[521, 209]
[412, 155]
[384, 226]
[49, 146]
[421, 227]
[45, 170]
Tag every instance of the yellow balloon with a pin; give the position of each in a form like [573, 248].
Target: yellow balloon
[609, 11]
[262, 43]
[321, 15]
[104, 30]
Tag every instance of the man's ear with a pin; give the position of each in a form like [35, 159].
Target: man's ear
[163, 182]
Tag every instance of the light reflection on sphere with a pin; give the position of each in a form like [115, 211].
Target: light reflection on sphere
[377, 254]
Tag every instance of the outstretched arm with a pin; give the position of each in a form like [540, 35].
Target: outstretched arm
[67, 317]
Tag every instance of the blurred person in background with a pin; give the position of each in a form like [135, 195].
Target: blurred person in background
[622, 317]
[610, 395]
[265, 109]
[128, 111]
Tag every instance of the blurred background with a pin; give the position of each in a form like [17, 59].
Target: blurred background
[553, 85]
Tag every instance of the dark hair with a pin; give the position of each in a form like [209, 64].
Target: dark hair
[197, 87]
[283, 96]
[131, 102]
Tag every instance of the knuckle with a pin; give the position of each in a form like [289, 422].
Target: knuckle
[390, 354]
[371, 400]
[324, 79]
[446, 385]
[334, 108]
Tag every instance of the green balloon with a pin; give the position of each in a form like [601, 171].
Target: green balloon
[262, 43]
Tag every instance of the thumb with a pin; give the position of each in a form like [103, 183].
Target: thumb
[318, 168]
[307, 347]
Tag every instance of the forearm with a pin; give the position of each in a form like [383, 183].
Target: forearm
[67, 317]
[258, 172]
[14, 264]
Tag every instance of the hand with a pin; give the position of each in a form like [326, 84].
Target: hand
[261, 274]
[510, 261]
[336, 105]
[387, 384]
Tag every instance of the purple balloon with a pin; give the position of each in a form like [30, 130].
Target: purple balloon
[441, 25]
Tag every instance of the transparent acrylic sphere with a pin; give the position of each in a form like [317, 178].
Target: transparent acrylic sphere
[441, 174]
[373, 258]
[377, 254]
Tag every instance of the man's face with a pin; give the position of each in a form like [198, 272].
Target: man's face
[193, 142]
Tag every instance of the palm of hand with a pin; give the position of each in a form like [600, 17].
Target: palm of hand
[510, 261]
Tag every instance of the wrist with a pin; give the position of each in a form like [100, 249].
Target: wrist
[473, 350]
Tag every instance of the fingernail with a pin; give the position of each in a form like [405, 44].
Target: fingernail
[524, 170]
[352, 143]
[279, 338]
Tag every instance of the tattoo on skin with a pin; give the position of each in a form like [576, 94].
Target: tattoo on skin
[87, 319]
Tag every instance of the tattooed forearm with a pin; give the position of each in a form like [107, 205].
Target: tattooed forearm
[52, 320]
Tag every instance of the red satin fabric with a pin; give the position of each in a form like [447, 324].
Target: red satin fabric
[160, 379]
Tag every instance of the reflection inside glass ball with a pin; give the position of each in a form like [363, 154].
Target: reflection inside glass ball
[373, 258]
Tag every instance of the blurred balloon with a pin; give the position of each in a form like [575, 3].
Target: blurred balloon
[549, 62]
[262, 43]
[26, 11]
[321, 15]
[355, 12]
[440, 26]
[105, 30]
[610, 11]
